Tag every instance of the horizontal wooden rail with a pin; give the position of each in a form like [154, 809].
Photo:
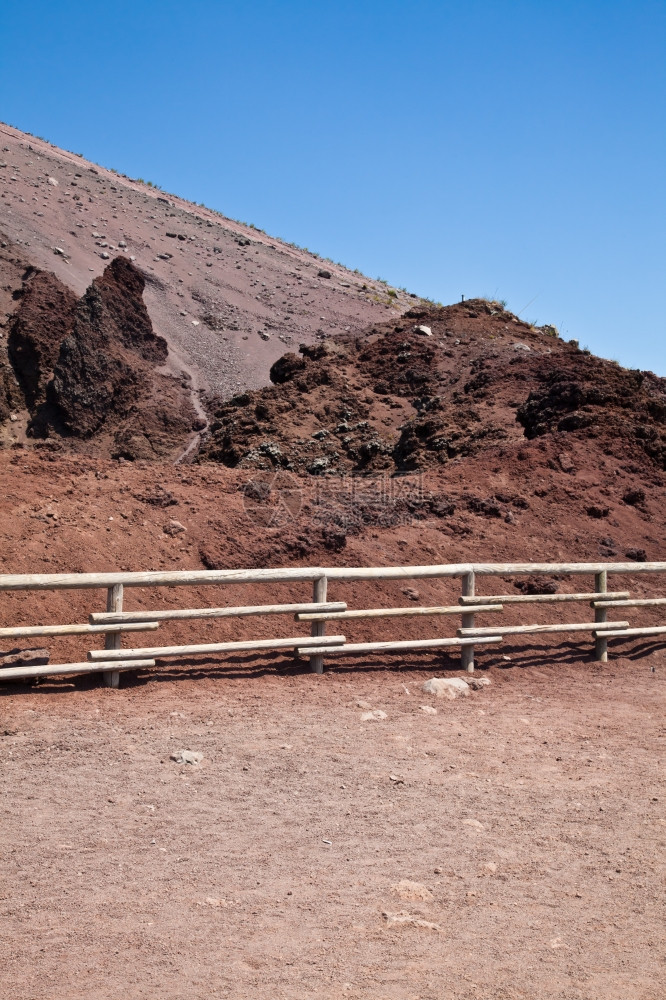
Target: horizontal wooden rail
[215, 647]
[173, 578]
[391, 613]
[394, 647]
[30, 631]
[638, 602]
[103, 617]
[491, 569]
[539, 598]
[648, 630]
[176, 578]
[47, 669]
[529, 629]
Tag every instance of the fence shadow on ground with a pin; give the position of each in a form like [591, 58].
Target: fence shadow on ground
[244, 667]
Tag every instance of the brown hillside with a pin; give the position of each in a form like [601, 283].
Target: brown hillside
[506, 441]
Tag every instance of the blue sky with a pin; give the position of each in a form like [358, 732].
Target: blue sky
[510, 149]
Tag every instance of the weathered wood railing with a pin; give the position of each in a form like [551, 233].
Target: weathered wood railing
[115, 620]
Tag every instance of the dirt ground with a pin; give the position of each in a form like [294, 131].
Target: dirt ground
[508, 846]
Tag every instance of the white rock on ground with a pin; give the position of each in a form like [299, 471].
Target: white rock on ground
[447, 687]
[373, 716]
[411, 891]
[187, 757]
[408, 919]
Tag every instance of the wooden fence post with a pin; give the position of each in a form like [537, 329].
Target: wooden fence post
[114, 602]
[318, 628]
[467, 652]
[600, 615]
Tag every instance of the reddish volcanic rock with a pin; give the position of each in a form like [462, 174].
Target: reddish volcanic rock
[399, 401]
[88, 368]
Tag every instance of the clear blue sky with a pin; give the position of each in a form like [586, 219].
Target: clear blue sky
[510, 149]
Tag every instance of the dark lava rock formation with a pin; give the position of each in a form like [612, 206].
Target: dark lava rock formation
[437, 386]
[87, 368]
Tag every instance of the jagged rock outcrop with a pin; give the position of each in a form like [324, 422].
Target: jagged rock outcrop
[88, 368]
[401, 401]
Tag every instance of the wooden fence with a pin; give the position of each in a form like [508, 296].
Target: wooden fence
[115, 621]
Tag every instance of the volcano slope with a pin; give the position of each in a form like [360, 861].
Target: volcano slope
[492, 417]
[454, 434]
[227, 297]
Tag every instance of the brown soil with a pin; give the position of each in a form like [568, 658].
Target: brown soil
[78, 514]
[510, 846]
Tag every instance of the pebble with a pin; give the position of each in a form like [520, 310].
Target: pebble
[374, 716]
[187, 757]
[411, 891]
[409, 919]
[173, 527]
[425, 331]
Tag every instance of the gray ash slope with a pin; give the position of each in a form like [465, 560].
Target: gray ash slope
[228, 299]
